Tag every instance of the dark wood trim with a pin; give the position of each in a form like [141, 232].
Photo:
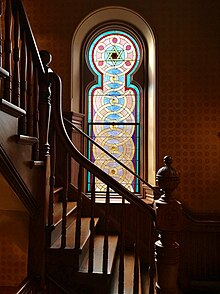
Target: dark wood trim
[199, 258]
[76, 118]
[200, 222]
[16, 182]
[53, 285]
[11, 109]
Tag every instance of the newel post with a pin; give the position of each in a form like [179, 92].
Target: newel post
[168, 222]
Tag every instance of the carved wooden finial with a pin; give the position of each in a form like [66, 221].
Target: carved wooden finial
[167, 177]
[168, 160]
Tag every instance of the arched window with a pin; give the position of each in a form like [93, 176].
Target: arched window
[113, 111]
[139, 78]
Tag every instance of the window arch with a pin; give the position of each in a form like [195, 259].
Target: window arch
[113, 14]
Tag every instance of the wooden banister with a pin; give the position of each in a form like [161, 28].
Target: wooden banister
[126, 197]
[145, 184]
[26, 96]
[27, 84]
[25, 74]
[56, 90]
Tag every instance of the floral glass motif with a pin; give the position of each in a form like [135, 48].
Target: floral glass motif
[114, 107]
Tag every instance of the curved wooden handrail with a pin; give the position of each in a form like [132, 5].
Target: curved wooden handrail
[114, 158]
[56, 94]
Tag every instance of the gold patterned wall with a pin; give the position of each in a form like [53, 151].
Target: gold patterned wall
[13, 241]
[188, 81]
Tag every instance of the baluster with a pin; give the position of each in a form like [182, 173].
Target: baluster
[44, 106]
[136, 256]
[79, 209]
[122, 247]
[16, 57]
[64, 200]
[52, 179]
[23, 85]
[8, 50]
[92, 229]
[29, 93]
[105, 246]
[169, 219]
[36, 114]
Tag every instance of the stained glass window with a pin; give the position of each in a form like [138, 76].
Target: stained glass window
[114, 106]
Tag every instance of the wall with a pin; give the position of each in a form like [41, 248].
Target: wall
[188, 46]
[14, 227]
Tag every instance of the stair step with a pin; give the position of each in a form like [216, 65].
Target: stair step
[58, 210]
[70, 234]
[56, 194]
[57, 218]
[98, 255]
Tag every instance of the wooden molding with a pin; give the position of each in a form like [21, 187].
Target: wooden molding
[200, 222]
[26, 140]
[16, 182]
[11, 109]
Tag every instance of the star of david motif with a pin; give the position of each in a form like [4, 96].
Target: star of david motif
[114, 55]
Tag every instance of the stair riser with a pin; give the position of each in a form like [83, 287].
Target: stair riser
[84, 251]
[92, 283]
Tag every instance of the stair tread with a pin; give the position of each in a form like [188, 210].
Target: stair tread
[128, 275]
[98, 254]
[58, 210]
[70, 234]
[57, 189]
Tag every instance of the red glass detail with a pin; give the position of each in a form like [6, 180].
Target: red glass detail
[114, 55]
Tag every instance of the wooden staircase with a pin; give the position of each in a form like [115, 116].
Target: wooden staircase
[77, 245]
[89, 277]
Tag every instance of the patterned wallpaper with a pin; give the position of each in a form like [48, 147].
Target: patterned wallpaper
[13, 248]
[13, 242]
[188, 62]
